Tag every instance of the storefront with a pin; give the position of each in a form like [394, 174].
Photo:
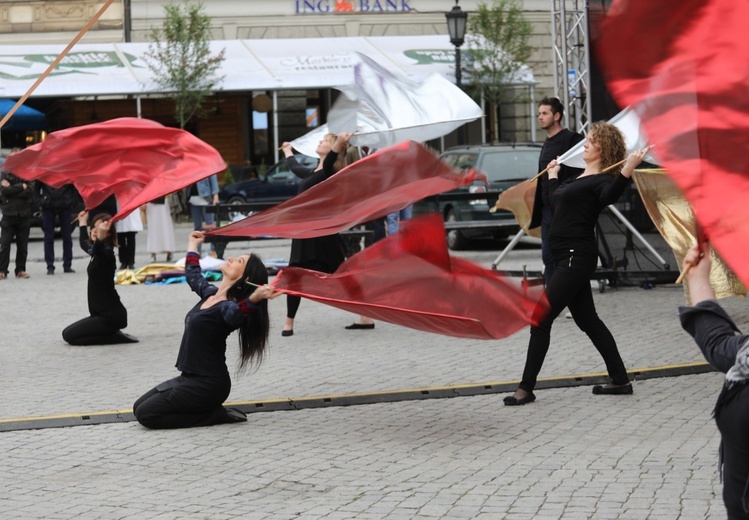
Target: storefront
[284, 59]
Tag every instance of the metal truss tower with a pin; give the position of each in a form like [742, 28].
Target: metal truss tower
[571, 45]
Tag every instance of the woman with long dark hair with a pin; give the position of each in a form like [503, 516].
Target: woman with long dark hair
[577, 202]
[108, 315]
[240, 303]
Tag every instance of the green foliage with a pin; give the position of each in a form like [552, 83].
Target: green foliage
[180, 58]
[228, 178]
[498, 51]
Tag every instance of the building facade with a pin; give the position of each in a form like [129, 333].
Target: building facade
[237, 123]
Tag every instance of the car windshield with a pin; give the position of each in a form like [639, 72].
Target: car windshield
[510, 165]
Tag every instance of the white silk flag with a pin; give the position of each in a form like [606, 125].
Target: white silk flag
[629, 124]
[307, 144]
[383, 109]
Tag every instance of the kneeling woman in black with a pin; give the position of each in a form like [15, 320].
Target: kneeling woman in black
[576, 203]
[108, 315]
[195, 398]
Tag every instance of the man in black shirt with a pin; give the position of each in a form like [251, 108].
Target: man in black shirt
[558, 141]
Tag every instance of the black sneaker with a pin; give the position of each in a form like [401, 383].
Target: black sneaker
[69, 270]
[50, 270]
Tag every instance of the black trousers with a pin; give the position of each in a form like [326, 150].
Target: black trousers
[14, 228]
[94, 330]
[293, 302]
[66, 232]
[569, 286]
[184, 402]
[126, 242]
[733, 424]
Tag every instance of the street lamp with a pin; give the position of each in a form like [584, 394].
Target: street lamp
[456, 26]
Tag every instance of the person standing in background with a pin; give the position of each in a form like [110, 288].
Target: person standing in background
[57, 205]
[160, 236]
[127, 228]
[395, 219]
[203, 193]
[558, 141]
[17, 205]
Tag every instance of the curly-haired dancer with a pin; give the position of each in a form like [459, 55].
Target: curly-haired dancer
[577, 202]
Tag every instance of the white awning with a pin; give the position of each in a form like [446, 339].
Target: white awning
[99, 69]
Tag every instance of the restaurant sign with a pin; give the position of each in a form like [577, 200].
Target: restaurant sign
[351, 6]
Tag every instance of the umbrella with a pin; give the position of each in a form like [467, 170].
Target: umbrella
[25, 118]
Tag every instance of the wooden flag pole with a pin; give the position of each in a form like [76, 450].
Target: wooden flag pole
[539, 174]
[55, 63]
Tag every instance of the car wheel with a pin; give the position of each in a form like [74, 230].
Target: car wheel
[236, 215]
[455, 239]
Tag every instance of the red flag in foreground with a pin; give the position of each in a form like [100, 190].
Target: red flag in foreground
[410, 279]
[372, 187]
[686, 75]
[137, 160]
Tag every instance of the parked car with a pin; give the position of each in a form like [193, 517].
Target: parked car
[276, 185]
[504, 165]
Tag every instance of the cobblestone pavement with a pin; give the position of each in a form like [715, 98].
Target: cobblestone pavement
[570, 455]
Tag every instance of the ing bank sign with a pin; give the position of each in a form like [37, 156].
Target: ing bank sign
[351, 6]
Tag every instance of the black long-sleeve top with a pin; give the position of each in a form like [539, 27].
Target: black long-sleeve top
[203, 348]
[714, 332]
[320, 252]
[577, 203]
[103, 300]
[553, 147]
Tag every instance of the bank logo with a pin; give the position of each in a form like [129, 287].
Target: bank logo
[342, 6]
[352, 6]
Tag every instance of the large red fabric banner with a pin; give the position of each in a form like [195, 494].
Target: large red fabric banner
[381, 183]
[682, 65]
[410, 279]
[137, 160]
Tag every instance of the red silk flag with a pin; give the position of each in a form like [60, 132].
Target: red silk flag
[137, 160]
[381, 183]
[682, 66]
[410, 279]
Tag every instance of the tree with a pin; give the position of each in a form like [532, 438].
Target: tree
[498, 50]
[180, 59]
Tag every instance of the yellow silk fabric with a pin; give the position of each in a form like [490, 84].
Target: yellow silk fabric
[674, 218]
[519, 200]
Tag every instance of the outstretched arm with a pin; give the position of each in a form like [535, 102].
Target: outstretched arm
[712, 329]
[193, 272]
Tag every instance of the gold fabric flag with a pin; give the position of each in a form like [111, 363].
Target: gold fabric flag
[674, 218]
[519, 200]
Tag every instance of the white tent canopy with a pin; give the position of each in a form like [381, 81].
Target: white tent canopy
[273, 64]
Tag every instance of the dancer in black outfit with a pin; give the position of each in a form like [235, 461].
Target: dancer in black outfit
[108, 315]
[728, 351]
[577, 202]
[322, 254]
[195, 397]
